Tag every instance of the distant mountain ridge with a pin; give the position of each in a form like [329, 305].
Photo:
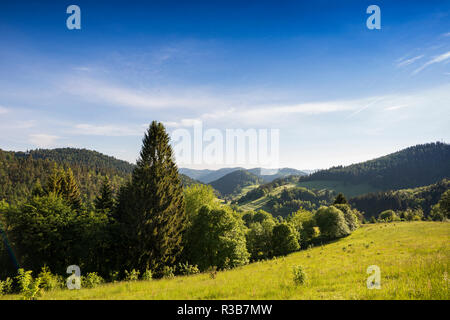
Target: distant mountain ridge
[267, 175]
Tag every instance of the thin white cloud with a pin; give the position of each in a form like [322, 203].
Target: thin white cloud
[396, 107]
[409, 61]
[266, 116]
[42, 140]
[436, 59]
[111, 94]
[108, 130]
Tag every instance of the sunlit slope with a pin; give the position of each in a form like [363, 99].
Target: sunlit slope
[413, 257]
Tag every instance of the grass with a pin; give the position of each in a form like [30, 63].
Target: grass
[413, 257]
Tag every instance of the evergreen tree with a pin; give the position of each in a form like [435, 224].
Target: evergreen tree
[105, 201]
[70, 189]
[340, 199]
[151, 210]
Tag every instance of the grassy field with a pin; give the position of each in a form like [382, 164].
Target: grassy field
[413, 257]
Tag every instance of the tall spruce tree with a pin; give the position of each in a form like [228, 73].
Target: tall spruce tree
[105, 201]
[151, 210]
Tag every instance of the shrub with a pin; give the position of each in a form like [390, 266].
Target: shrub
[147, 275]
[387, 215]
[49, 281]
[91, 280]
[132, 276]
[187, 269]
[6, 286]
[299, 275]
[212, 272]
[28, 287]
[168, 272]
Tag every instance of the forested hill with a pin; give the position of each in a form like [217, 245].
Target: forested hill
[233, 182]
[80, 157]
[20, 171]
[411, 167]
[399, 200]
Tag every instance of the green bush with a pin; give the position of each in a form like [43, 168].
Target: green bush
[49, 281]
[186, 269]
[28, 287]
[6, 286]
[299, 275]
[147, 275]
[91, 280]
[388, 216]
[168, 272]
[133, 275]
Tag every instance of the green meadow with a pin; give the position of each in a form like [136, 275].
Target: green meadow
[413, 258]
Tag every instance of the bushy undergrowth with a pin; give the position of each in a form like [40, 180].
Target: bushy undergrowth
[299, 275]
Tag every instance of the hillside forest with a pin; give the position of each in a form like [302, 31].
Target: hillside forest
[119, 221]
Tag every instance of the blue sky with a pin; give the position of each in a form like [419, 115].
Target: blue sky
[338, 92]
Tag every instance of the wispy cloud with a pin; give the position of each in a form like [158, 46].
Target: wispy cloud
[155, 98]
[267, 115]
[396, 107]
[406, 62]
[108, 130]
[42, 140]
[436, 59]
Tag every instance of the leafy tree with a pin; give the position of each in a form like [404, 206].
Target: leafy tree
[285, 239]
[216, 238]
[304, 223]
[197, 196]
[46, 231]
[350, 215]
[436, 213]
[151, 210]
[444, 204]
[387, 215]
[340, 199]
[259, 239]
[331, 222]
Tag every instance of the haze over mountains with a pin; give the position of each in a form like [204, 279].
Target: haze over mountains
[267, 175]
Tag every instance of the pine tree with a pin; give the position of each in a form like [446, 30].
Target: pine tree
[151, 211]
[340, 199]
[55, 181]
[105, 201]
[63, 184]
[70, 189]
